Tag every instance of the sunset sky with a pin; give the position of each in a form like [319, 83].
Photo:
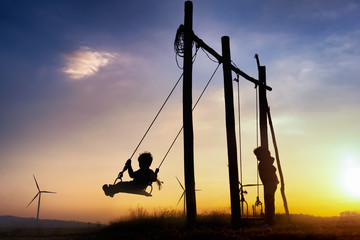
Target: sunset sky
[81, 81]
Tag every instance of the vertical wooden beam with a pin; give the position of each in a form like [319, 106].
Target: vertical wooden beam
[263, 108]
[230, 134]
[187, 117]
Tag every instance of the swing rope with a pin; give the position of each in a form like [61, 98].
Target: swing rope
[242, 191]
[197, 101]
[257, 138]
[120, 175]
[142, 139]
[161, 108]
[239, 127]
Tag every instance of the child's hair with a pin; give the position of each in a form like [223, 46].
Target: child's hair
[145, 159]
[261, 152]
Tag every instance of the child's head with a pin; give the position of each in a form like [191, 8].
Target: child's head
[145, 160]
[261, 153]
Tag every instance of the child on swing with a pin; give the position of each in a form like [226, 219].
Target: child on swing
[141, 178]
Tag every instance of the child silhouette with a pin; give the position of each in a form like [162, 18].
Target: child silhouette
[141, 178]
[267, 173]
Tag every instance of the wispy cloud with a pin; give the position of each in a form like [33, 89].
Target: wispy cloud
[85, 62]
[336, 12]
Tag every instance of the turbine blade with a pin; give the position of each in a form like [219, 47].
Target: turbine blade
[33, 199]
[37, 185]
[47, 192]
[180, 184]
[182, 195]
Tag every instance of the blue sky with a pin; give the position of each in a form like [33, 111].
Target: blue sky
[82, 80]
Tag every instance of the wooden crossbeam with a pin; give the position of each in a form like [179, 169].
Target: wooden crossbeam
[207, 48]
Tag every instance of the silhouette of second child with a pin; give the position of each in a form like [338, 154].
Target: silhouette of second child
[267, 173]
[141, 178]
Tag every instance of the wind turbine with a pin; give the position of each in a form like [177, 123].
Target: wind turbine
[183, 194]
[38, 194]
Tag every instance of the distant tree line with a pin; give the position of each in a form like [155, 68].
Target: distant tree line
[349, 214]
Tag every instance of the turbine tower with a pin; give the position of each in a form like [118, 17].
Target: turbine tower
[183, 194]
[38, 194]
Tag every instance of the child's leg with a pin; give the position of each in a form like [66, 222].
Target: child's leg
[107, 190]
[269, 196]
[111, 190]
[122, 187]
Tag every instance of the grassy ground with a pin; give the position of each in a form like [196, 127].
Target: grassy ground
[170, 225]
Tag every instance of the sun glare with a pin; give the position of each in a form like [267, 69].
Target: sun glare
[351, 177]
[351, 181]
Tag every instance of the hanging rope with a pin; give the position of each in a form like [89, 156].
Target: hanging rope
[179, 50]
[156, 117]
[179, 46]
[257, 115]
[197, 101]
[257, 138]
[120, 175]
[242, 191]
[239, 126]
[179, 41]
[282, 189]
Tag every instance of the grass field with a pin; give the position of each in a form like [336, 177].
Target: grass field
[215, 225]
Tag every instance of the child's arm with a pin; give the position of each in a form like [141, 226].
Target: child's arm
[154, 175]
[126, 167]
[129, 167]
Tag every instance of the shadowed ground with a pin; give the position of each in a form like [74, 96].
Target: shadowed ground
[212, 226]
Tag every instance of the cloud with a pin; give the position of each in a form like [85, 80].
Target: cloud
[336, 11]
[85, 62]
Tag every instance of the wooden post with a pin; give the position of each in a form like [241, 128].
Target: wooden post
[187, 117]
[230, 134]
[263, 107]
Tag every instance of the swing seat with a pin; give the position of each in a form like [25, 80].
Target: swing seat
[139, 192]
[126, 187]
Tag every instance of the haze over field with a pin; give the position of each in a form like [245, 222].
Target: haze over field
[82, 80]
